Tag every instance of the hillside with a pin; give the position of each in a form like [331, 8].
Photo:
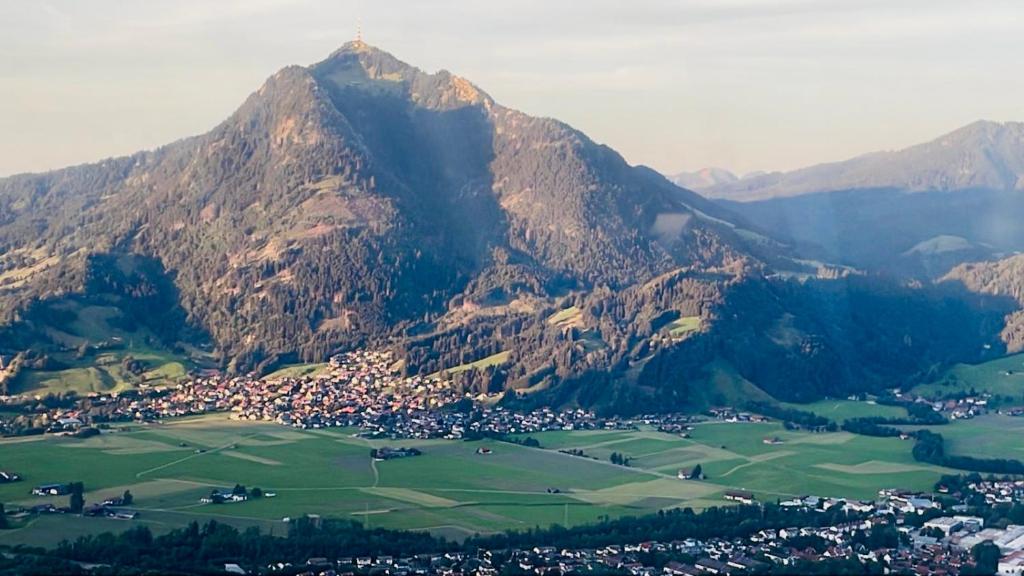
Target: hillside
[344, 202]
[915, 212]
[1003, 278]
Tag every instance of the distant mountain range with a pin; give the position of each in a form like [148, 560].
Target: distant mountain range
[703, 179]
[363, 202]
[914, 212]
[980, 156]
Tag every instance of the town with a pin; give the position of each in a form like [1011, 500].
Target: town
[360, 390]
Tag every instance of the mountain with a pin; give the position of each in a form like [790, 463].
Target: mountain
[346, 201]
[916, 212]
[363, 202]
[983, 155]
[704, 178]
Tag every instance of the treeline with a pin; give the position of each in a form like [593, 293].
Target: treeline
[917, 415]
[801, 418]
[199, 549]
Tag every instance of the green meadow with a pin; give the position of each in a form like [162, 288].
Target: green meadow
[1002, 376]
[842, 410]
[450, 489]
[107, 338]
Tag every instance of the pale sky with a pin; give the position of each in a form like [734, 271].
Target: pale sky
[674, 84]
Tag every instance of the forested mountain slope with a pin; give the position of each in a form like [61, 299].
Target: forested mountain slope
[363, 202]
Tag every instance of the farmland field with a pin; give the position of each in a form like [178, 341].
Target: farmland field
[734, 456]
[450, 489]
[1003, 377]
[842, 410]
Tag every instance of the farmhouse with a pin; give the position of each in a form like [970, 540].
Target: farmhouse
[6, 477]
[224, 496]
[740, 496]
[484, 451]
[381, 454]
[772, 441]
[690, 474]
[51, 490]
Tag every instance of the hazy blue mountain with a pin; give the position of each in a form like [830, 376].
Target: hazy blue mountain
[915, 212]
[982, 155]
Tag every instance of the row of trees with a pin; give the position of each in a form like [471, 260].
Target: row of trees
[199, 548]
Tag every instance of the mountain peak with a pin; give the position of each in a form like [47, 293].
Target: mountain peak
[359, 65]
[357, 46]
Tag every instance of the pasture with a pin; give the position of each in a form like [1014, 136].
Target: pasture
[89, 343]
[734, 456]
[842, 410]
[450, 489]
[1002, 377]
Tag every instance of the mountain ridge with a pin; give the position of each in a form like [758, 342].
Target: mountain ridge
[983, 154]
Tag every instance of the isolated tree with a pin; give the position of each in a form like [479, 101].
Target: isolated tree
[986, 555]
[77, 500]
[697, 472]
[3, 516]
[256, 492]
[127, 498]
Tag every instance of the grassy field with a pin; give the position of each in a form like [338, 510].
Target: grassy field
[842, 410]
[298, 371]
[568, 317]
[492, 360]
[991, 436]
[724, 386]
[451, 489]
[684, 325]
[734, 456]
[1003, 376]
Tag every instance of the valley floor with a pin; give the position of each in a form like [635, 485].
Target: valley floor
[451, 489]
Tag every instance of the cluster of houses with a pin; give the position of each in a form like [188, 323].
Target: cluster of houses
[962, 408]
[730, 414]
[360, 389]
[994, 491]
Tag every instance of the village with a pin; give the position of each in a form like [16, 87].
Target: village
[360, 390]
